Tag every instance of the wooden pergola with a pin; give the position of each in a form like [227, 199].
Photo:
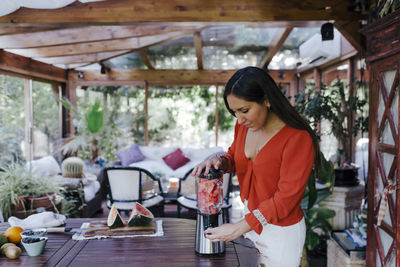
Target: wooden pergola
[49, 45]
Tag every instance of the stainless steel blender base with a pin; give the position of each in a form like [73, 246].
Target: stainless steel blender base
[205, 246]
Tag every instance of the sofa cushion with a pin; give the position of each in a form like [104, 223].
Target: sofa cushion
[176, 159]
[45, 166]
[155, 152]
[130, 155]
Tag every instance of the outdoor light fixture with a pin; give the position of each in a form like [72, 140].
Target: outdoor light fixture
[103, 69]
[80, 75]
[327, 31]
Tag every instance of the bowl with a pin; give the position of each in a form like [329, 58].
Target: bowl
[34, 245]
[34, 232]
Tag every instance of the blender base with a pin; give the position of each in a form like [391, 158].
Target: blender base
[203, 245]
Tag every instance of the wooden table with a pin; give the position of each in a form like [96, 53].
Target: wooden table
[175, 248]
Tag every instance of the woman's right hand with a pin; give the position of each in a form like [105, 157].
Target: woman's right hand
[216, 161]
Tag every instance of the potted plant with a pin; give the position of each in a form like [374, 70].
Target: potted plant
[22, 192]
[318, 228]
[346, 115]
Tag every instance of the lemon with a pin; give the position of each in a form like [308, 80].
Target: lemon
[14, 234]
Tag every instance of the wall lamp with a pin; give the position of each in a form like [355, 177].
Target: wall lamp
[81, 75]
[327, 31]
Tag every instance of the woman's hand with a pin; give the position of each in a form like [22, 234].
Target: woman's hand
[216, 161]
[227, 232]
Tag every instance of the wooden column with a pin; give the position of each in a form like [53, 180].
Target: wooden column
[71, 96]
[28, 109]
[317, 78]
[57, 91]
[146, 113]
[216, 115]
[351, 72]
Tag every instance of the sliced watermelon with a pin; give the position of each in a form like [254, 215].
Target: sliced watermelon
[140, 216]
[114, 218]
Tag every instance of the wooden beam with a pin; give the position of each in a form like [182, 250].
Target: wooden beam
[117, 77]
[145, 58]
[44, 37]
[82, 59]
[10, 62]
[351, 31]
[153, 77]
[198, 46]
[276, 44]
[11, 30]
[133, 11]
[98, 47]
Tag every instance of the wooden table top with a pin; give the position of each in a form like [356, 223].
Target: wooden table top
[175, 248]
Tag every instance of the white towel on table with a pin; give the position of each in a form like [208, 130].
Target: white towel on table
[39, 220]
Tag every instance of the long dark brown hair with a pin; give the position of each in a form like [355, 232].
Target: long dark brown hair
[256, 85]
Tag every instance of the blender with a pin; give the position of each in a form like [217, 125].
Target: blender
[209, 214]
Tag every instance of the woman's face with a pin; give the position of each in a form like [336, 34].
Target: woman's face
[250, 114]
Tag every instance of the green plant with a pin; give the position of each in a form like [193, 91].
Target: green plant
[345, 113]
[316, 218]
[17, 181]
[87, 132]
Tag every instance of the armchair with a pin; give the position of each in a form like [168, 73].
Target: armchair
[125, 186]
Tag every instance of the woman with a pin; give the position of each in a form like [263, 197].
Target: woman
[272, 155]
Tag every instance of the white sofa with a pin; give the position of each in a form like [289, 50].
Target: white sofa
[155, 164]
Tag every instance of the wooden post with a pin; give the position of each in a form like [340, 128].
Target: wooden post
[146, 113]
[352, 92]
[216, 115]
[28, 148]
[71, 96]
[317, 79]
[57, 91]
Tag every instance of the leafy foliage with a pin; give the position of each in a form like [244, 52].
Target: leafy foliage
[333, 104]
[17, 181]
[316, 218]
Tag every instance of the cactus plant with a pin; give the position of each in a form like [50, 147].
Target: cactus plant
[72, 167]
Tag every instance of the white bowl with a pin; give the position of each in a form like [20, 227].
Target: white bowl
[34, 232]
[36, 248]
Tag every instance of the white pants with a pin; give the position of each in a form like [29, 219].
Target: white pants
[279, 246]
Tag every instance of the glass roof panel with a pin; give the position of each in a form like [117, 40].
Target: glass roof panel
[231, 47]
[128, 61]
[176, 54]
[215, 57]
[285, 59]
[299, 36]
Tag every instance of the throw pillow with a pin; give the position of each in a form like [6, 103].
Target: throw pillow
[130, 155]
[176, 159]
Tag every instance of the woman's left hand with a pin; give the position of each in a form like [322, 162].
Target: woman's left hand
[227, 232]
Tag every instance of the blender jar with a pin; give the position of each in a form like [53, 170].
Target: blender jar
[210, 192]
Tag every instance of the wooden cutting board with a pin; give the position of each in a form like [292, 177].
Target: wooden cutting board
[120, 231]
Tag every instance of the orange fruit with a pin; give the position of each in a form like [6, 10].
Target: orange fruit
[13, 234]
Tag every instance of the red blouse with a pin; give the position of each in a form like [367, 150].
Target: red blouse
[274, 182]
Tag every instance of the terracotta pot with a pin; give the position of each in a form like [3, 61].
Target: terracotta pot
[25, 213]
[44, 201]
[22, 203]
